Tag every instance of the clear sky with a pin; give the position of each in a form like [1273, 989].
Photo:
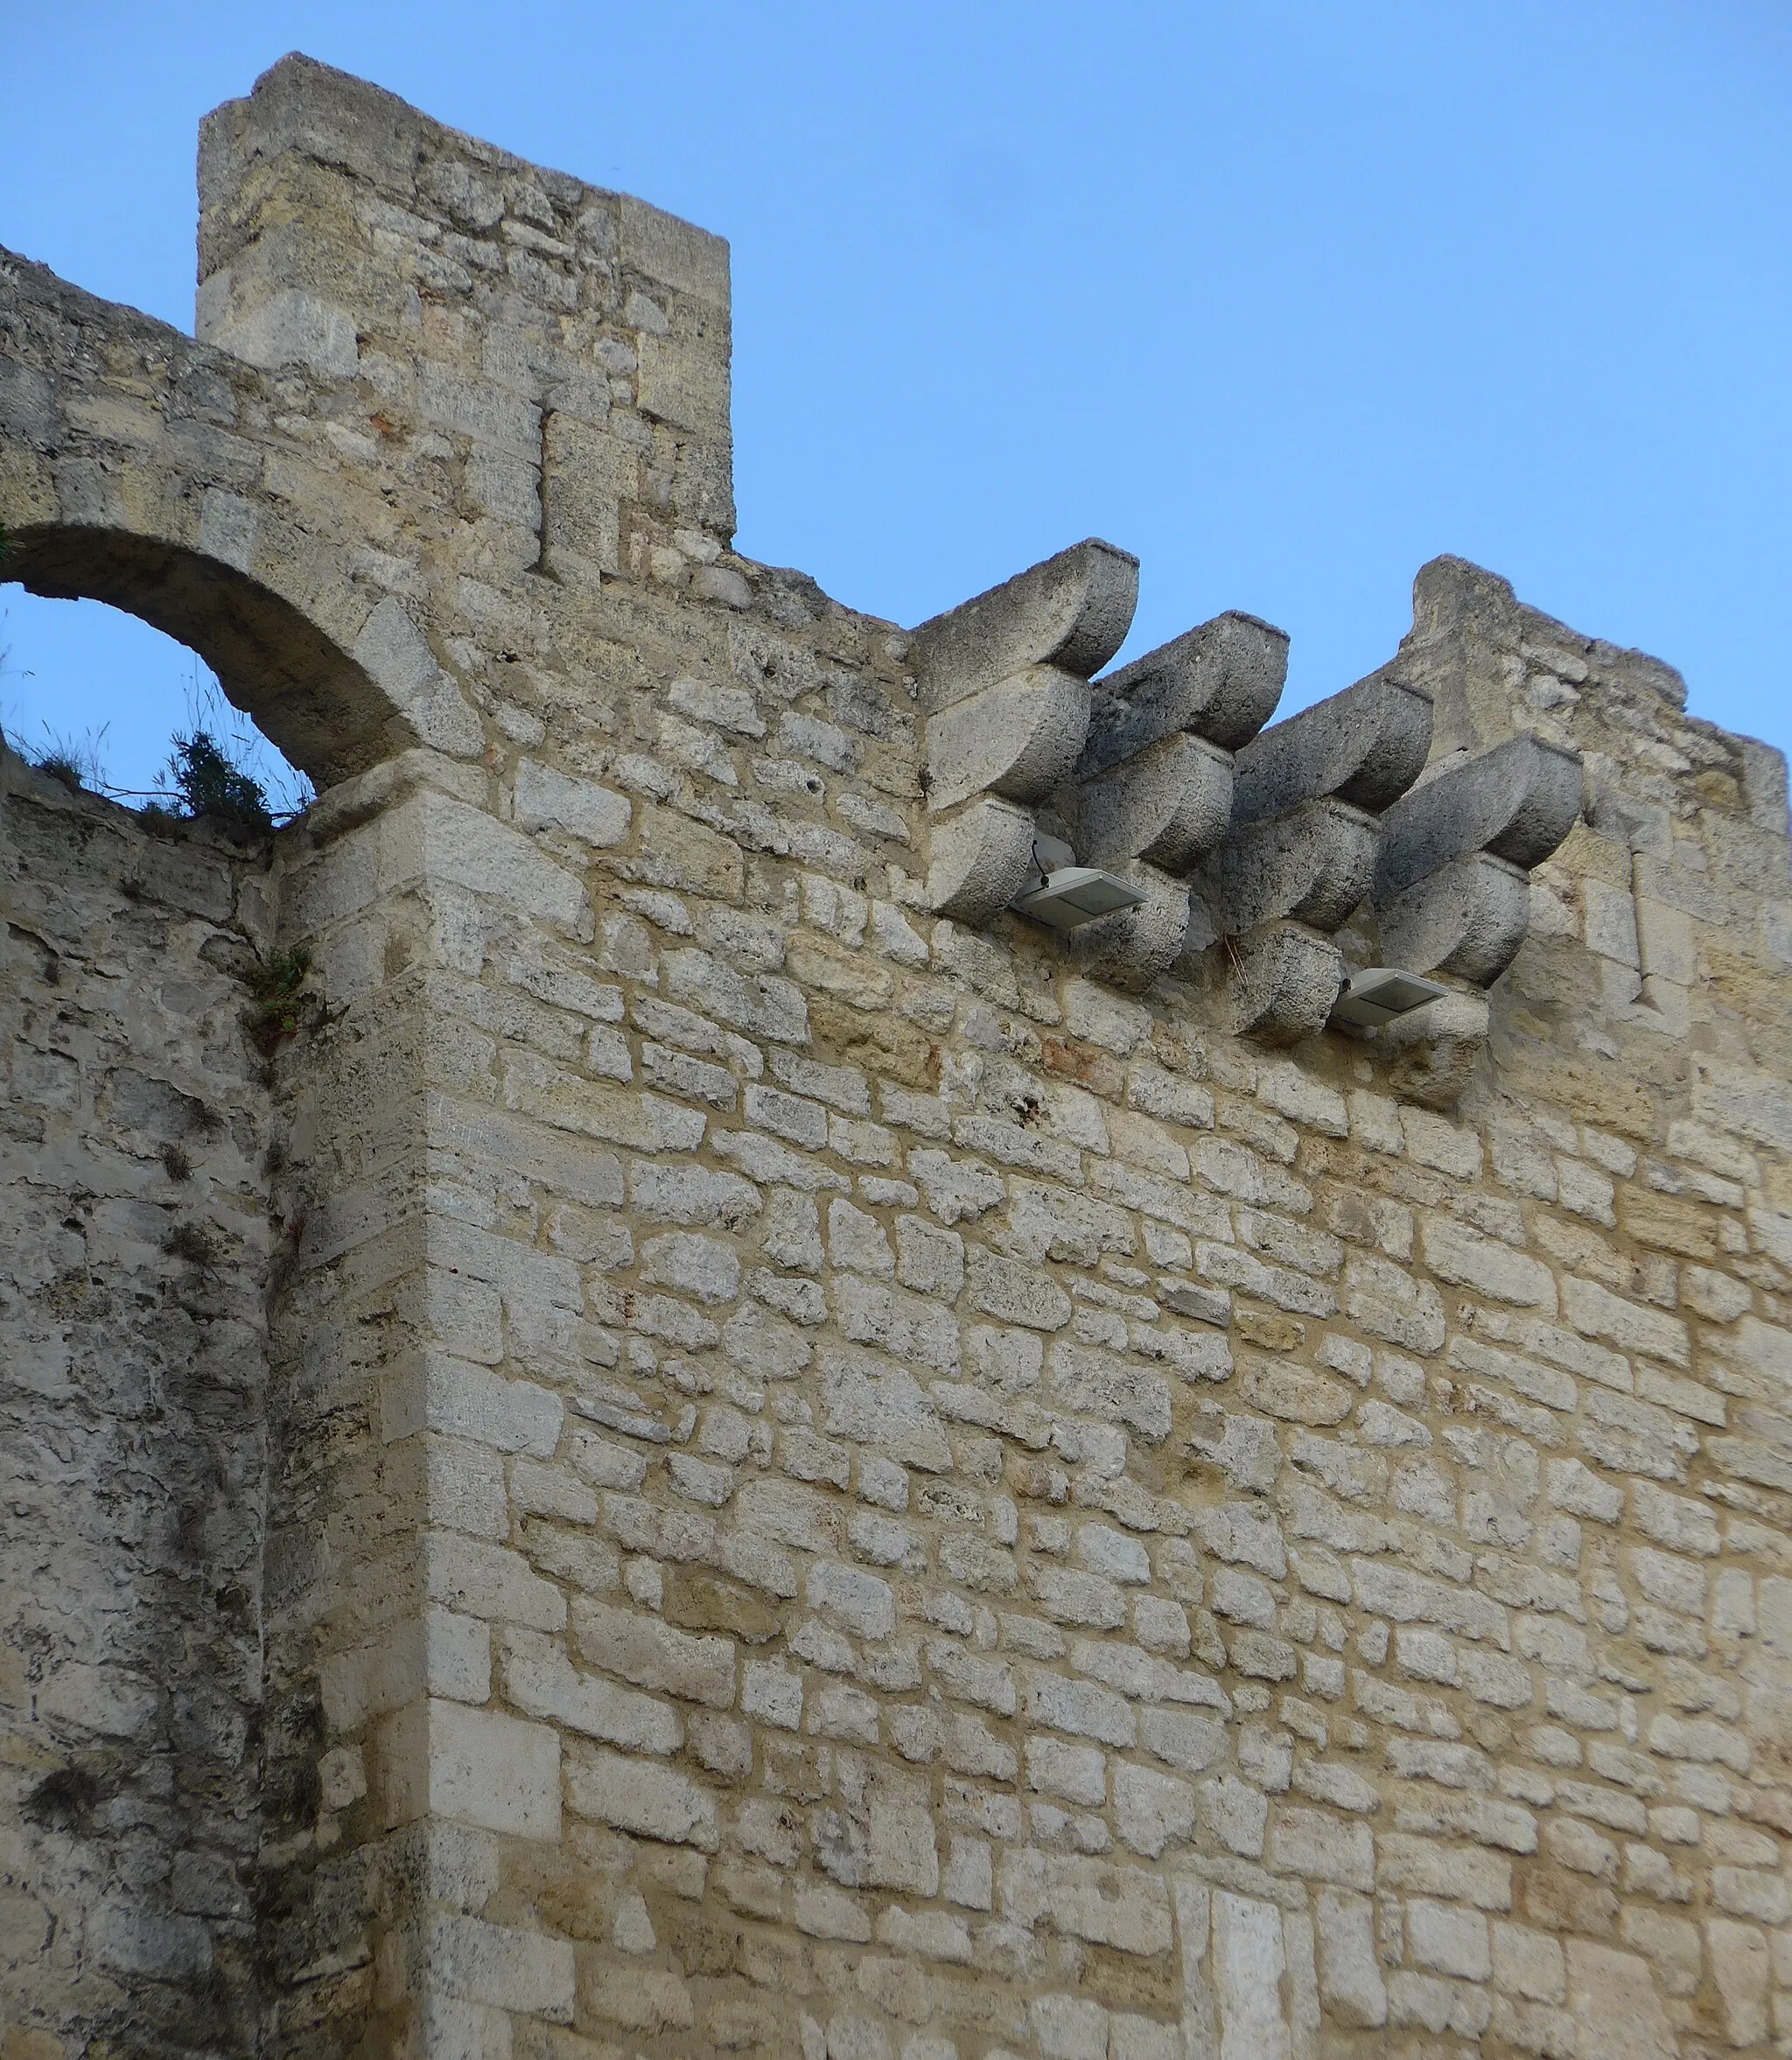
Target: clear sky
[1285, 296]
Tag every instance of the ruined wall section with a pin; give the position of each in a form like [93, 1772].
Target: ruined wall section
[133, 1392]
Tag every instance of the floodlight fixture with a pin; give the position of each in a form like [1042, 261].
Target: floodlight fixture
[1381, 994]
[1066, 895]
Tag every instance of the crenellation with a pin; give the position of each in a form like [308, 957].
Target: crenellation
[773, 1458]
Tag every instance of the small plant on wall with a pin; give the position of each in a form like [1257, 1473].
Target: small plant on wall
[281, 1003]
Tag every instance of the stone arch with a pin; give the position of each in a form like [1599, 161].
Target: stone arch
[319, 703]
[133, 469]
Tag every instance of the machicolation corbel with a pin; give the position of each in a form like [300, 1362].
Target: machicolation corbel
[1152, 793]
[1004, 679]
[1264, 841]
[1301, 853]
[1451, 895]
[1453, 877]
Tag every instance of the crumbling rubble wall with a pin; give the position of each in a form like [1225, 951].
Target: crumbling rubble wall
[839, 1481]
[133, 1339]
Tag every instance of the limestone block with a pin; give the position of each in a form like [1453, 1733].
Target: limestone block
[1285, 979]
[1131, 948]
[1468, 919]
[1313, 863]
[1616, 2010]
[683, 384]
[978, 860]
[676, 253]
[476, 1766]
[1220, 680]
[638, 1796]
[1350, 1979]
[1169, 803]
[1517, 801]
[539, 1680]
[1071, 612]
[289, 327]
[508, 1969]
[1440, 1047]
[901, 1851]
[1018, 737]
[301, 106]
[589, 473]
[1366, 746]
[464, 1400]
[28, 410]
[1740, 1972]
[393, 652]
[1667, 943]
[1153, 1810]
[1124, 1907]
[1248, 1963]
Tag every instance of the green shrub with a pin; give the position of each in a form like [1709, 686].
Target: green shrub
[211, 787]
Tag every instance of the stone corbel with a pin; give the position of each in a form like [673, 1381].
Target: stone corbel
[1436, 1049]
[979, 859]
[1152, 793]
[1452, 897]
[1452, 875]
[1003, 680]
[1129, 949]
[1468, 918]
[1301, 851]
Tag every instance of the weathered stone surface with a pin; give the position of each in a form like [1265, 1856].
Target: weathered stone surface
[1169, 803]
[1469, 919]
[1286, 980]
[1365, 745]
[1313, 863]
[1131, 948]
[1220, 680]
[1072, 611]
[979, 860]
[1518, 801]
[1018, 738]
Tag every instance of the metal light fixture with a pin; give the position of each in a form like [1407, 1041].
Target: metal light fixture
[1381, 993]
[1066, 895]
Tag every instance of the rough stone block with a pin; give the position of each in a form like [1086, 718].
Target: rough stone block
[637, 1796]
[1220, 680]
[1365, 745]
[1072, 611]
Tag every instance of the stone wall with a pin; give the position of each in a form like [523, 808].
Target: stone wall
[837, 1484]
[133, 1395]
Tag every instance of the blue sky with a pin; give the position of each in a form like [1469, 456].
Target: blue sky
[1285, 296]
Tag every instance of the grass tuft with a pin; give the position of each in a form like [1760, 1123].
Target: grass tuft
[277, 984]
[194, 1244]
